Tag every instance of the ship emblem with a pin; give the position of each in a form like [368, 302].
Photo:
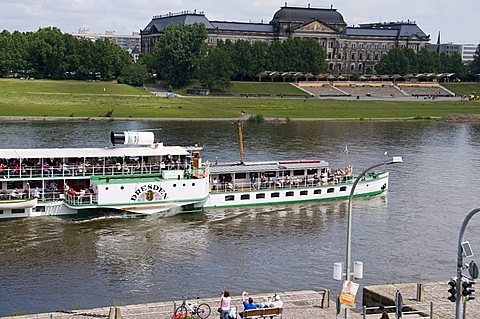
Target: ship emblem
[149, 195]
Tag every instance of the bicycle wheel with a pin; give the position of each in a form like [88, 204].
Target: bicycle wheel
[181, 310]
[203, 311]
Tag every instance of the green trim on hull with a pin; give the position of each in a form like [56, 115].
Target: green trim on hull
[301, 200]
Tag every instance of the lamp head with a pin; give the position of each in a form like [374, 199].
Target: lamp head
[396, 159]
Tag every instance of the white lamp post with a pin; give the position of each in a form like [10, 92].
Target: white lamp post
[358, 265]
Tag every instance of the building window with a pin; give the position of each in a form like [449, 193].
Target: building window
[354, 46]
[361, 56]
[260, 196]
[245, 197]
[376, 56]
[368, 56]
[275, 195]
[330, 190]
[229, 198]
[353, 56]
[329, 55]
[317, 191]
[289, 194]
[339, 67]
[303, 193]
[352, 67]
[330, 67]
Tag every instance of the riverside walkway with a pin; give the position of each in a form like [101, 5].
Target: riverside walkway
[431, 302]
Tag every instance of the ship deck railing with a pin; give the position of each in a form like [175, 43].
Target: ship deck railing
[281, 184]
[78, 171]
[81, 199]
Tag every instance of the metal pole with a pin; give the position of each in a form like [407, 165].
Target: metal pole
[460, 261]
[349, 227]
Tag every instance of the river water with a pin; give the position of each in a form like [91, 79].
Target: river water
[409, 235]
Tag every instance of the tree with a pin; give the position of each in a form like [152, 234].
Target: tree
[177, 52]
[134, 74]
[215, 69]
[475, 64]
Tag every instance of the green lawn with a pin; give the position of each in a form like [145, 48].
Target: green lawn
[463, 88]
[58, 98]
[67, 87]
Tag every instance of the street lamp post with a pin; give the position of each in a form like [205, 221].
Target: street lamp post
[393, 160]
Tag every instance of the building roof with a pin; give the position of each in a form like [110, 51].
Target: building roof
[404, 29]
[296, 14]
[161, 22]
[242, 26]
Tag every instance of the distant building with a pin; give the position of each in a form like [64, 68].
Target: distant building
[466, 51]
[349, 49]
[126, 42]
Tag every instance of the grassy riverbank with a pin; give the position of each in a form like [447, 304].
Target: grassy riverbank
[463, 88]
[81, 99]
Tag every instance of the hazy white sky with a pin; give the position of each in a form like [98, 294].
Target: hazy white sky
[457, 20]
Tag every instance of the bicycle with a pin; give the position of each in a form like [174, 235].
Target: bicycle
[201, 311]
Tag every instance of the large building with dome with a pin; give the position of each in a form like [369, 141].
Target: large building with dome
[350, 50]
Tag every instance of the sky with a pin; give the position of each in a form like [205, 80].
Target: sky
[457, 21]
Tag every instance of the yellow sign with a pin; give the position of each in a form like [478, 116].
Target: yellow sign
[348, 294]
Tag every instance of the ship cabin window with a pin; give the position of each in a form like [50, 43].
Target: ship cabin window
[240, 175]
[1, 211]
[289, 194]
[317, 191]
[312, 171]
[275, 195]
[260, 196]
[330, 190]
[299, 172]
[193, 184]
[229, 198]
[18, 211]
[245, 197]
[303, 193]
[343, 188]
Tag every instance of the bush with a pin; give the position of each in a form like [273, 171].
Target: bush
[134, 74]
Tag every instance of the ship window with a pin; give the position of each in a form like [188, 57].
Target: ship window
[245, 197]
[289, 194]
[312, 171]
[330, 190]
[193, 184]
[18, 211]
[174, 185]
[184, 185]
[106, 188]
[122, 188]
[260, 196]
[1, 211]
[275, 195]
[299, 172]
[303, 193]
[229, 198]
[271, 174]
[317, 191]
[12, 185]
[241, 175]
[343, 188]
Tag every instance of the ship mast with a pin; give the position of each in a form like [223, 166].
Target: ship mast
[240, 139]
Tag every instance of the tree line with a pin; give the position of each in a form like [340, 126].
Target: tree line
[49, 53]
[182, 54]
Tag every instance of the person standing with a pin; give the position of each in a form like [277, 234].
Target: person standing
[225, 301]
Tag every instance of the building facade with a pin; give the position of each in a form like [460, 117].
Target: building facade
[126, 42]
[350, 50]
[466, 51]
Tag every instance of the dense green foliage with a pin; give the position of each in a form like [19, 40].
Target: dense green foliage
[49, 53]
[215, 69]
[177, 53]
[292, 55]
[133, 74]
[405, 61]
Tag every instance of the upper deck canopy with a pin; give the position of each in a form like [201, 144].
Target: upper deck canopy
[154, 150]
[267, 167]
